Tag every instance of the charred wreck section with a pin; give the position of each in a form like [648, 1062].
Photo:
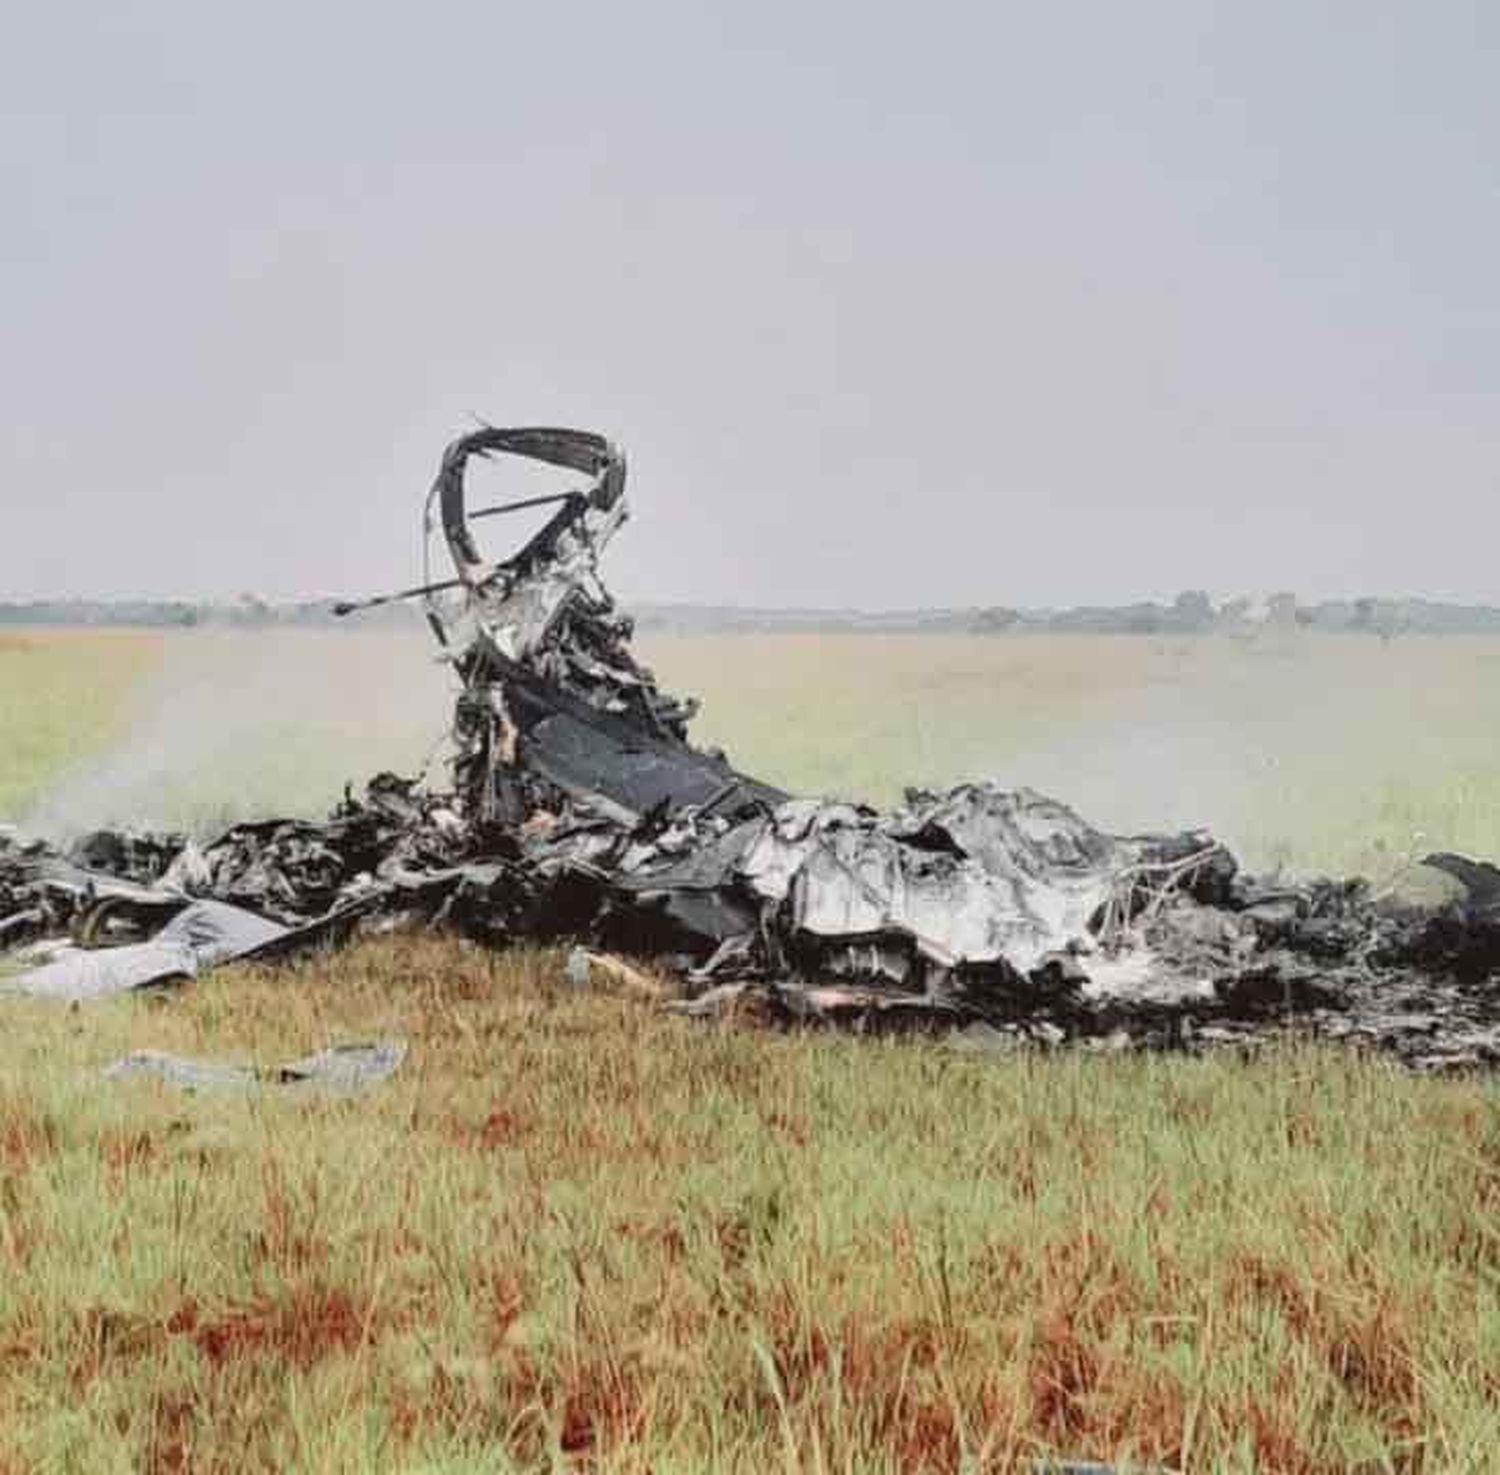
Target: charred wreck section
[555, 708]
[581, 811]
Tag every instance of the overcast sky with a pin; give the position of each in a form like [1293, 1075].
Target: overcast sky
[890, 305]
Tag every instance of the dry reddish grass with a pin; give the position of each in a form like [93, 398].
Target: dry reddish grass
[574, 1232]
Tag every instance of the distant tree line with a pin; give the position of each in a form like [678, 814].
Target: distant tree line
[1193, 612]
[246, 612]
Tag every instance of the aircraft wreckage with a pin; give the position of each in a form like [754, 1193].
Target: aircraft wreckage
[580, 811]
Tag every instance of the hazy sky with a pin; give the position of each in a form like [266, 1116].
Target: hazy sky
[890, 305]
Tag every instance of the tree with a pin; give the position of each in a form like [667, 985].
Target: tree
[1281, 611]
[1193, 610]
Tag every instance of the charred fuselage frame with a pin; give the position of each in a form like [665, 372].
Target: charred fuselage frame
[555, 711]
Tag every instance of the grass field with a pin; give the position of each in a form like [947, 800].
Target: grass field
[573, 1232]
[1317, 753]
[64, 696]
[198, 728]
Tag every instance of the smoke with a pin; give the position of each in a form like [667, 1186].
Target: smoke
[1313, 752]
[244, 724]
[1340, 755]
[1323, 753]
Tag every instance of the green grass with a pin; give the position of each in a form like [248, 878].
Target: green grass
[1318, 753]
[217, 725]
[573, 1232]
[64, 697]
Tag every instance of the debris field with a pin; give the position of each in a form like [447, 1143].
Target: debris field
[579, 811]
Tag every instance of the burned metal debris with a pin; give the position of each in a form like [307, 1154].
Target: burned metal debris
[580, 810]
[341, 1068]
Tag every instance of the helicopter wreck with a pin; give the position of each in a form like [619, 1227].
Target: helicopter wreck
[580, 811]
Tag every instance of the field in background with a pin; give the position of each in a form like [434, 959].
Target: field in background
[1315, 752]
[573, 1232]
[206, 726]
[1319, 752]
[64, 698]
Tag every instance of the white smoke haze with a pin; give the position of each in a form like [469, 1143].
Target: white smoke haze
[1308, 752]
[244, 724]
[1321, 753]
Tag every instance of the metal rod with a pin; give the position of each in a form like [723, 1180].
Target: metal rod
[525, 502]
[351, 606]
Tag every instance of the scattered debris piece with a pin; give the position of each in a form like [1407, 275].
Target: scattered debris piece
[200, 934]
[582, 965]
[580, 812]
[339, 1068]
